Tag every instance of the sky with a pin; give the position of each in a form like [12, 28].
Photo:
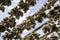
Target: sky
[31, 11]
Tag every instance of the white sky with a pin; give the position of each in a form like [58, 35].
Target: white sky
[30, 12]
